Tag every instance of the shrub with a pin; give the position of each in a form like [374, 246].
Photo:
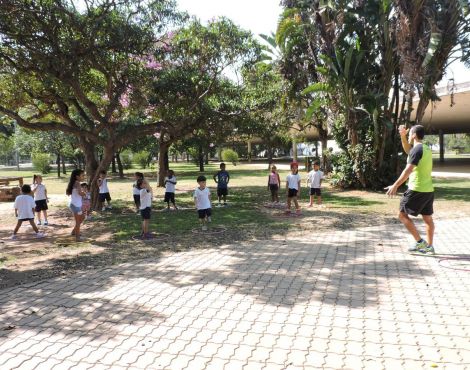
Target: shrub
[126, 159]
[229, 155]
[142, 158]
[41, 162]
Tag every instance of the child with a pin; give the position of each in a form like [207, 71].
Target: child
[136, 191]
[274, 182]
[222, 178]
[293, 187]
[145, 206]
[104, 191]
[202, 200]
[24, 211]
[314, 178]
[74, 190]
[40, 197]
[170, 182]
[86, 201]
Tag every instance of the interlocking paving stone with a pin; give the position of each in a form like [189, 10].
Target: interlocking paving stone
[347, 299]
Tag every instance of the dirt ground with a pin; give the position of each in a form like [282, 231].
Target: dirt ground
[27, 259]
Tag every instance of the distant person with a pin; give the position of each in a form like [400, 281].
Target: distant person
[202, 201]
[136, 191]
[145, 206]
[170, 187]
[314, 178]
[104, 192]
[75, 192]
[274, 183]
[40, 198]
[222, 179]
[24, 211]
[419, 198]
[86, 201]
[293, 188]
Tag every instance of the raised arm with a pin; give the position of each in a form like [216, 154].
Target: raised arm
[403, 131]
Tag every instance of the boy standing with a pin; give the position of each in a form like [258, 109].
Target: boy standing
[222, 178]
[419, 197]
[104, 191]
[202, 201]
[24, 211]
[315, 177]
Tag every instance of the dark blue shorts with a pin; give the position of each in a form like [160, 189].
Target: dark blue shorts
[204, 212]
[145, 213]
[105, 196]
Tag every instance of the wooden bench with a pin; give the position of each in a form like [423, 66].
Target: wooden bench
[9, 192]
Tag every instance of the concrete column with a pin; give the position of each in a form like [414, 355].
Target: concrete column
[249, 151]
[441, 146]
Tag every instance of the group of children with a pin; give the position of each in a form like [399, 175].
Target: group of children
[80, 196]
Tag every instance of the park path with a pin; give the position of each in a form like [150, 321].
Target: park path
[351, 299]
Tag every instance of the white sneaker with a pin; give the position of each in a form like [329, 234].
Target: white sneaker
[14, 237]
[103, 209]
[109, 207]
[40, 235]
[38, 223]
[204, 228]
[209, 219]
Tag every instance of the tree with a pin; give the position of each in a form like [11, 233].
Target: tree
[83, 72]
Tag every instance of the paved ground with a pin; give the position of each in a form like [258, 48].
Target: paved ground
[344, 300]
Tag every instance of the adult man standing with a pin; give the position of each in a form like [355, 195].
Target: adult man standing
[419, 198]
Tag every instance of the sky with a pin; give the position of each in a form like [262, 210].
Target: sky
[261, 16]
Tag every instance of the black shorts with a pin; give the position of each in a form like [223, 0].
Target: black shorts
[273, 187]
[416, 203]
[41, 205]
[204, 212]
[145, 213]
[222, 191]
[105, 196]
[169, 197]
[26, 219]
[292, 193]
[315, 191]
[137, 200]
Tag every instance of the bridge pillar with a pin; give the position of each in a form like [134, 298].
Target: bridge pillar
[441, 146]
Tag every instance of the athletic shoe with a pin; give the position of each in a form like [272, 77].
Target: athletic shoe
[225, 204]
[14, 237]
[40, 235]
[429, 249]
[209, 219]
[46, 223]
[109, 207]
[38, 223]
[417, 246]
[204, 228]
[103, 209]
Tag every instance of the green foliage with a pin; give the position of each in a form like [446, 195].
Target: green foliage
[41, 162]
[142, 158]
[229, 155]
[126, 159]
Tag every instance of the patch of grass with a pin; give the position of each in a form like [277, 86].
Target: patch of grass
[452, 189]
[5, 259]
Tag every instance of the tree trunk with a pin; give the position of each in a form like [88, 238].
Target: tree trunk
[64, 170]
[113, 165]
[119, 165]
[270, 154]
[163, 163]
[206, 161]
[201, 159]
[58, 164]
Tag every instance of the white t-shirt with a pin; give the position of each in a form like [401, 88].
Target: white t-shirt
[135, 189]
[169, 187]
[25, 204]
[314, 177]
[76, 199]
[40, 193]
[202, 198]
[293, 181]
[104, 186]
[145, 199]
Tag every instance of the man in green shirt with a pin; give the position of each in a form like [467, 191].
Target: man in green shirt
[419, 198]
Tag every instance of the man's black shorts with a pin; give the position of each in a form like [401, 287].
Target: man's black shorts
[315, 191]
[41, 205]
[204, 212]
[222, 191]
[169, 197]
[145, 213]
[292, 193]
[416, 203]
[105, 196]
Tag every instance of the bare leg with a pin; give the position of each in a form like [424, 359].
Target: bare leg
[277, 196]
[288, 203]
[296, 202]
[311, 201]
[78, 221]
[39, 216]
[35, 228]
[409, 224]
[319, 199]
[17, 227]
[45, 215]
[429, 228]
